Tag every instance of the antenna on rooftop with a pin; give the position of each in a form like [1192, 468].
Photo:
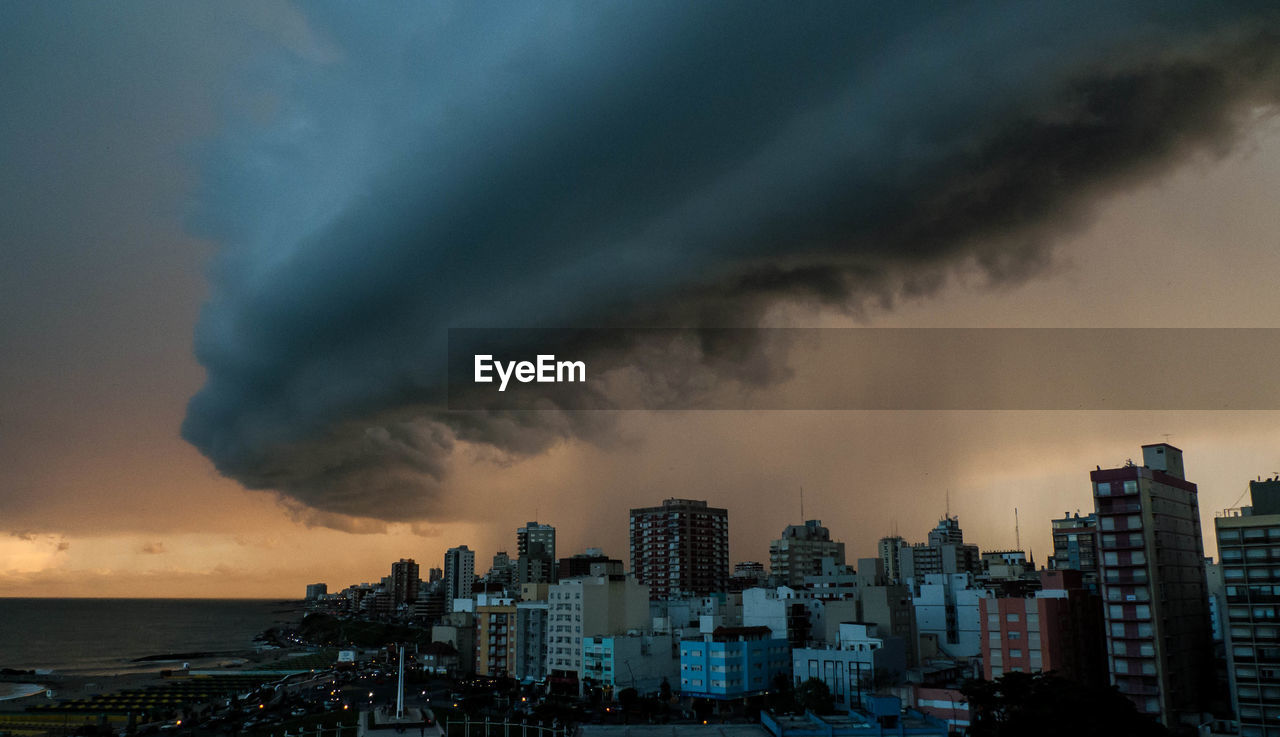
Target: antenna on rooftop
[802, 520]
[1017, 534]
[948, 504]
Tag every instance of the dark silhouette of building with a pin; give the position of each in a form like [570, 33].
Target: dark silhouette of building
[680, 548]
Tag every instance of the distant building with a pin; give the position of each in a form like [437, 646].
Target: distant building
[1075, 546]
[947, 607]
[502, 571]
[636, 660]
[800, 550]
[1249, 548]
[681, 547]
[317, 591]
[536, 548]
[890, 552]
[590, 607]
[1058, 628]
[887, 604]
[1006, 564]
[496, 639]
[732, 663]
[945, 553]
[534, 533]
[403, 583]
[532, 625]
[459, 574]
[458, 629]
[591, 563]
[1153, 579]
[859, 663]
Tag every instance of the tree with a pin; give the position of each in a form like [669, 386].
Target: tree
[781, 696]
[664, 691]
[813, 695]
[1047, 705]
[627, 698]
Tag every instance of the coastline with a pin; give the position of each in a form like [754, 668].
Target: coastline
[15, 691]
[152, 672]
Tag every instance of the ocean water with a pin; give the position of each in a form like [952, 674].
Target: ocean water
[104, 636]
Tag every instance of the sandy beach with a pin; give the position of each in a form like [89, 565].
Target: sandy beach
[11, 691]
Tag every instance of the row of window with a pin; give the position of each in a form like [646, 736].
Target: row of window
[1116, 488]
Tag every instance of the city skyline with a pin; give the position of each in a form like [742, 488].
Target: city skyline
[130, 184]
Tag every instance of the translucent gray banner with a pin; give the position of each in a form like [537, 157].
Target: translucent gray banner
[865, 369]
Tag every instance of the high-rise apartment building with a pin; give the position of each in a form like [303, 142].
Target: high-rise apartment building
[459, 574]
[533, 532]
[1249, 547]
[1153, 579]
[403, 582]
[1075, 546]
[680, 548]
[800, 550]
[946, 553]
[536, 546]
[890, 551]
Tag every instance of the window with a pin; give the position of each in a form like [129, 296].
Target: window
[1012, 617]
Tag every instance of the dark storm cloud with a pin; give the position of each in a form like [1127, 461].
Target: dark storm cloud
[669, 164]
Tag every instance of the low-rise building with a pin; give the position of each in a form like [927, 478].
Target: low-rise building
[861, 662]
[732, 663]
[639, 661]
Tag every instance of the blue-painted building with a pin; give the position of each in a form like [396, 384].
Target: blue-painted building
[732, 663]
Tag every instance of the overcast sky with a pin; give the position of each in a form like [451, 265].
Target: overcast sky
[231, 237]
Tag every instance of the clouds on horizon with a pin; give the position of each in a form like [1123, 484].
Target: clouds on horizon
[397, 174]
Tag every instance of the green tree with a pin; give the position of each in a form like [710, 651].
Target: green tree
[1047, 705]
[814, 696]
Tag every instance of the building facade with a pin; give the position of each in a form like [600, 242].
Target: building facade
[800, 550]
[403, 583]
[1249, 549]
[1075, 546]
[1152, 573]
[1058, 628]
[637, 660]
[590, 607]
[459, 574]
[732, 663]
[680, 548]
[857, 665]
[536, 548]
[496, 640]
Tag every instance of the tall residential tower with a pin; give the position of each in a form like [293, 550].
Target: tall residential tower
[1153, 579]
[680, 548]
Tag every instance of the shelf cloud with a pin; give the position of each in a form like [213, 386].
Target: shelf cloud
[671, 164]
